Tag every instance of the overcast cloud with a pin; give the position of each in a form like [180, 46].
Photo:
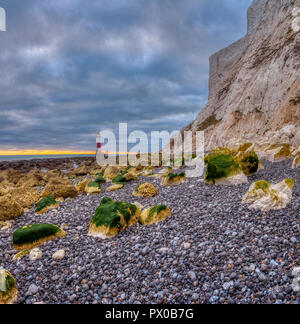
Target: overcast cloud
[69, 68]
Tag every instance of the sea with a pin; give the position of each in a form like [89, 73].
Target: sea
[33, 157]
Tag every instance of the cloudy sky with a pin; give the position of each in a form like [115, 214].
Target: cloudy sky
[70, 68]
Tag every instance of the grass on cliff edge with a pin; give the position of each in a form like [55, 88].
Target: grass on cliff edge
[33, 233]
[45, 202]
[108, 213]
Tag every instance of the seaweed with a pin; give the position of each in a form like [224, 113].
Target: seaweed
[45, 202]
[109, 213]
[33, 233]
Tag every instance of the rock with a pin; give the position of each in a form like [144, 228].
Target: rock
[81, 171]
[296, 162]
[8, 288]
[92, 188]
[25, 196]
[10, 209]
[59, 191]
[145, 190]
[114, 187]
[265, 196]
[173, 179]
[31, 236]
[35, 254]
[111, 172]
[296, 281]
[32, 290]
[31, 179]
[192, 275]
[45, 204]
[80, 186]
[59, 255]
[112, 217]
[20, 255]
[154, 214]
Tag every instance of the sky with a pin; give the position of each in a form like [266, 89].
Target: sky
[72, 68]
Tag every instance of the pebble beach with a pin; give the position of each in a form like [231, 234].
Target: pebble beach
[213, 249]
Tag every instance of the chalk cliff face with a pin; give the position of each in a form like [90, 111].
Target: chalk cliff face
[254, 87]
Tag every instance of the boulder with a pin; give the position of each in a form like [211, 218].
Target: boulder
[31, 236]
[173, 179]
[265, 196]
[8, 288]
[25, 196]
[10, 209]
[93, 188]
[111, 172]
[81, 171]
[11, 176]
[112, 217]
[45, 204]
[33, 178]
[145, 190]
[60, 191]
[80, 186]
[154, 214]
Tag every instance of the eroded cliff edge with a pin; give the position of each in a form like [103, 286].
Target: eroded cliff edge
[254, 87]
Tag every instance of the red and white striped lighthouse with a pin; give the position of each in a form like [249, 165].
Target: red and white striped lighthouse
[98, 141]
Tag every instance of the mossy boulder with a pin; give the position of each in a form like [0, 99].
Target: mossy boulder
[112, 217]
[10, 208]
[8, 288]
[123, 177]
[173, 179]
[60, 191]
[31, 236]
[45, 204]
[154, 214]
[220, 166]
[145, 190]
[93, 188]
[266, 196]
[100, 179]
[231, 167]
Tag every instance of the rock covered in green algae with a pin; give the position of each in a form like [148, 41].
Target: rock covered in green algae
[145, 190]
[112, 217]
[31, 236]
[230, 167]
[154, 214]
[93, 188]
[8, 288]
[44, 204]
[173, 179]
[266, 196]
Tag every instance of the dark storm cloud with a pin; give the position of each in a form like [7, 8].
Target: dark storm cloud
[70, 68]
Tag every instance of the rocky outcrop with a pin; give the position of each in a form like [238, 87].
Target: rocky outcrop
[254, 86]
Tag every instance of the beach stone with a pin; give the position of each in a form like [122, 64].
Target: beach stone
[154, 214]
[59, 255]
[114, 187]
[111, 172]
[35, 254]
[32, 290]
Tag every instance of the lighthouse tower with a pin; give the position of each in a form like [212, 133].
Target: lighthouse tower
[98, 142]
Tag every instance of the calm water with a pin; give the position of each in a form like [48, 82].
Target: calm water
[32, 157]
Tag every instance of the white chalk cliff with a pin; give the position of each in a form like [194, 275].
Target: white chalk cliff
[254, 86]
